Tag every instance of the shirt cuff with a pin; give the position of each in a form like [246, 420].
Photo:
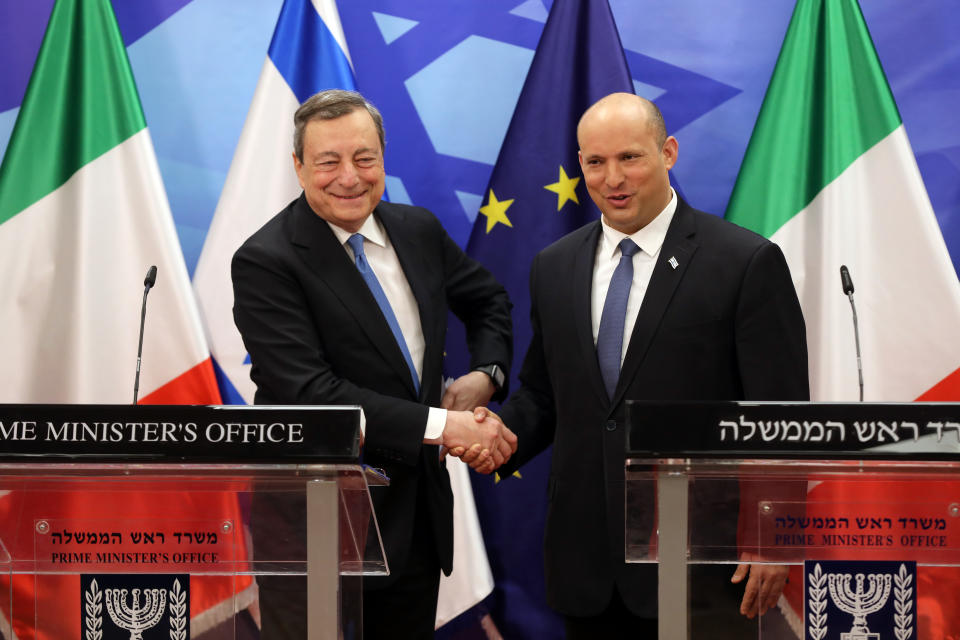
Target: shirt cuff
[436, 421]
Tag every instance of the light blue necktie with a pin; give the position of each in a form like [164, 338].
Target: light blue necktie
[612, 320]
[356, 243]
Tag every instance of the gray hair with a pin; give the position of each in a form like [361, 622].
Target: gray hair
[329, 105]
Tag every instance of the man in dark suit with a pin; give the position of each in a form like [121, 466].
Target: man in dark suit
[343, 299]
[656, 301]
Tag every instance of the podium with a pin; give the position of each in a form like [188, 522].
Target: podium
[858, 504]
[135, 521]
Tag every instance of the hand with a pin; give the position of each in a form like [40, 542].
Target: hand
[763, 587]
[476, 442]
[468, 391]
[466, 441]
[483, 413]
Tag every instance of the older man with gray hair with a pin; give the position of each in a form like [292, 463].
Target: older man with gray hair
[343, 299]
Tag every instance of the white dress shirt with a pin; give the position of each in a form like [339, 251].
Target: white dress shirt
[386, 266]
[650, 240]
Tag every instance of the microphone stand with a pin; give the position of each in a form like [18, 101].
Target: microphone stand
[847, 282]
[148, 283]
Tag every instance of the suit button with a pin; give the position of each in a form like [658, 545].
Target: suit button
[611, 425]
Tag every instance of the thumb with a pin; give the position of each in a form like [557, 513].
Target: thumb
[740, 573]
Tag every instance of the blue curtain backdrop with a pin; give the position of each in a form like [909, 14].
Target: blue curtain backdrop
[447, 77]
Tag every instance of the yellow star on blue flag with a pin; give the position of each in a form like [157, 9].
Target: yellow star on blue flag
[497, 478]
[496, 211]
[565, 188]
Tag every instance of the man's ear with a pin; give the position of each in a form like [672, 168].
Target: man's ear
[297, 166]
[669, 152]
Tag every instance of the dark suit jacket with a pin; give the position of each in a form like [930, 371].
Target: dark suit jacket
[724, 325]
[316, 336]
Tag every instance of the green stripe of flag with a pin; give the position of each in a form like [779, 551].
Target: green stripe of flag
[80, 103]
[828, 102]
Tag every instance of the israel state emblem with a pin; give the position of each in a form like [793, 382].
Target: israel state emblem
[859, 600]
[135, 606]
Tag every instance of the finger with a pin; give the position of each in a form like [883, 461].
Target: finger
[485, 467]
[510, 438]
[776, 589]
[480, 414]
[470, 455]
[506, 450]
[764, 594]
[456, 451]
[740, 573]
[750, 602]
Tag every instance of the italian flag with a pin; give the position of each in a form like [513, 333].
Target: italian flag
[83, 215]
[829, 176]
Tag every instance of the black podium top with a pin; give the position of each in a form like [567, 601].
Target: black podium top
[823, 430]
[175, 433]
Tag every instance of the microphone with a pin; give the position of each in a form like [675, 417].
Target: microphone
[148, 283]
[847, 283]
[151, 278]
[845, 280]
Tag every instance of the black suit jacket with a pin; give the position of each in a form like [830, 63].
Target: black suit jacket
[316, 336]
[725, 324]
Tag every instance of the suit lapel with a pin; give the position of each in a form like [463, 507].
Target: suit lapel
[319, 248]
[583, 307]
[679, 244]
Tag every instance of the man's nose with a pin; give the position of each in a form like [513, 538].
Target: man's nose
[348, 175]
[613, 176]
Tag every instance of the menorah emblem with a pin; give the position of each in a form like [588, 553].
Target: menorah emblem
[859, 602]
[132, 617]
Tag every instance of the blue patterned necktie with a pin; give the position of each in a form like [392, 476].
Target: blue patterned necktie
[356, 243]
[610, 335]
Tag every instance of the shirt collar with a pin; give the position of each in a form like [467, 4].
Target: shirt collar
[649, 239]
[371, 230]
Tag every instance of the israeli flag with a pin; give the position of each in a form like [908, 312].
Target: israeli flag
[308, 53]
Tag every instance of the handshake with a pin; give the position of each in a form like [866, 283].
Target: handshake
[479, 438]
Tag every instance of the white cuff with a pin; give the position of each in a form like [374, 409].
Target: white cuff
[436, 421]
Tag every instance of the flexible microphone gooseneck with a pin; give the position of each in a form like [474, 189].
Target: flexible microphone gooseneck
[847, 283]
[148, 283]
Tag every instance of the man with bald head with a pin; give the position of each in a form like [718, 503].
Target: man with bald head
[654, 301]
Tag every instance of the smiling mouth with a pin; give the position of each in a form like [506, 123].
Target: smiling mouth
[354, 196]
[619, 198]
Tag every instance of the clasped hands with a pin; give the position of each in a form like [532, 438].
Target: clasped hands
[473, 433]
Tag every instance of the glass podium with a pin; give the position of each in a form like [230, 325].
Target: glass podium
[142, 522]
[856, 506]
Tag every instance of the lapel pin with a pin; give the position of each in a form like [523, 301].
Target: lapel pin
[673, 262]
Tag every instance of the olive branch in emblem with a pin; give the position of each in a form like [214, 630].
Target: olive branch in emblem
[903, 603]
[178, 612]
[93, 610]
[817, 603]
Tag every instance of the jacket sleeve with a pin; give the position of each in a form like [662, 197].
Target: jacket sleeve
[771, 338]
[482, 304]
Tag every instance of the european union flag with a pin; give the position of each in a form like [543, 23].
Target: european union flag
[536, 196]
